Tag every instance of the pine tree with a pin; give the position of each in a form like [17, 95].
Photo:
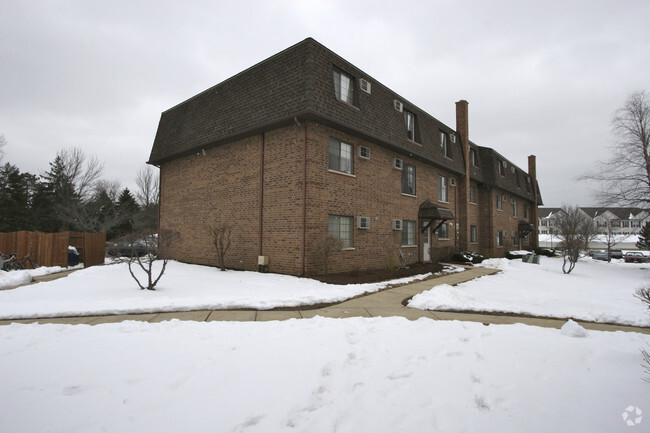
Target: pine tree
[644, 237]
[15, 198]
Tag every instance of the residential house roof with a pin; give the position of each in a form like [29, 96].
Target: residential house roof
[297, 84]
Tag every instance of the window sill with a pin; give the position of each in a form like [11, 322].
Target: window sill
[409, 246]
[342, 172]
[409, 195]
[474, 203]
[442, 201]
[348, 249]
[414, 142]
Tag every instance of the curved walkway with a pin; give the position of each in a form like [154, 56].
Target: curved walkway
[386, 303]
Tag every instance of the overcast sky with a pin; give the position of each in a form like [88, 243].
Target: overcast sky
[541, 78]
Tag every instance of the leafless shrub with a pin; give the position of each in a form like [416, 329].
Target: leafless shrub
[221, 241]
[147, 248]
[325, 246]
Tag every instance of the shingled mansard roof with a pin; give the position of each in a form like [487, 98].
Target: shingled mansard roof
[298, 83]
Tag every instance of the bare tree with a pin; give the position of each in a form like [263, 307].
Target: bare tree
[3, 143]
[609, 238]
[625, 178]
[325, 247]
[569, 224]
[148, 183]
[221, 241]
[148, 248]
[83, 171]
[588, 231]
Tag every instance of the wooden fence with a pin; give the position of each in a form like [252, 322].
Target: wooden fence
[51, 249]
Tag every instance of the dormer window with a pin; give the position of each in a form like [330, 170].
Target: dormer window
[502, 168]
[473, 158]
[343, 86]
[444, 143]
[409, 118]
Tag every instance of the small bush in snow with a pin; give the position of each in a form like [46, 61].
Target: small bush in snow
[147, 248]
[468, 256]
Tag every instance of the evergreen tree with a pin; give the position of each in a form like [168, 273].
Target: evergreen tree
[127, 207]
[644, 237]
[15, 198]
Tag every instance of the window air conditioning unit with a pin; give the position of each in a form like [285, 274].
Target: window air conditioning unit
[398, 105]
[452, 181]
[364, 85]
[363, 222]
[397, 163]
[397, 224]
[364, 152]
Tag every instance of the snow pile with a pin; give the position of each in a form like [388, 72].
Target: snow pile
[321, 375]
[572, 329]
[111, 290]
[24, 276]
[595, 291]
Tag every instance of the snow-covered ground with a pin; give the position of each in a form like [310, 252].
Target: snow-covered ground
[16, 278]
[320, 375]
[111, 290]
[595, 291]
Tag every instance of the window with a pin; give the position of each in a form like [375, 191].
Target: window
[472, 194]
[502, 169]
[515, 239]
[442, 188]
[514, 208]
[472, 234]
[343, 86]
[625, 223]
[526, 207]
[499, 202]
[443, 231]
[409, 118]
[340, 156]
[473, 158]
[408, 233]
[635, 223]
[517, 179]
[408, 179]
[544, 223]
[341, 227]
[444, 143]
[499, 238]
[364, 152]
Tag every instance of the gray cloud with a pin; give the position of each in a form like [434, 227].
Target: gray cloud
[541, 78]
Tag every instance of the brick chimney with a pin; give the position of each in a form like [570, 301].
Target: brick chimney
[533, 214]
[462, 214]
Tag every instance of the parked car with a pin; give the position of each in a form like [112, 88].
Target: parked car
[635, 257]
[616, 254]
[600, 255]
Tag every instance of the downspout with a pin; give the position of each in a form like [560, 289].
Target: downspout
[261, 213]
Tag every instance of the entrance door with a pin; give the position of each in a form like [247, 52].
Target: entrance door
[426, 245]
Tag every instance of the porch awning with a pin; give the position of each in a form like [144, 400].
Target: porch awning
[429, 211]
[525, 227]
[432, 213]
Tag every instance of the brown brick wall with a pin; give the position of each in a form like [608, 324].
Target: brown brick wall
[200, 192]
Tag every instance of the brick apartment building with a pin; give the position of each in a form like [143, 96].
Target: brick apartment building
[304, 144]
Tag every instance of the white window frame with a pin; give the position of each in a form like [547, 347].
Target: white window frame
[408, 179]
[341, 227]
[473, 194]
[500, 238]
[443, 189]
[499, 202]
[343, 86]
[408, 233]
[342, 160]
[515, 212]
[409, 119]
[473, 234]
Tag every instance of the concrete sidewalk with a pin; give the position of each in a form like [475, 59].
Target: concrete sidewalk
[386, 303]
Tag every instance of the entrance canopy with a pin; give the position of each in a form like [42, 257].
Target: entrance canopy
[434, 214]
[524, 228]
